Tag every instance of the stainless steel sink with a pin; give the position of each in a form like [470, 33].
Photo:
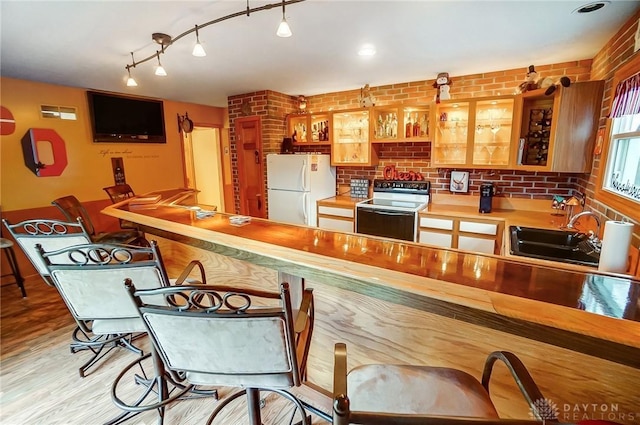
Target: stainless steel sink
[554, 245]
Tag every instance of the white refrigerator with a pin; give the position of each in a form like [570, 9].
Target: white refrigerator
[295, 182]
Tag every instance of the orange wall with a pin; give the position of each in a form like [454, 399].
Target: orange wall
[147, 166]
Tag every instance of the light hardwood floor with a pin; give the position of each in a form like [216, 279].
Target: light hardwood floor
[39, 381]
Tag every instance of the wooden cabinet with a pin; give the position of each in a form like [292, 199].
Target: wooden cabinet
[469, 234]
[350, 144]
[310, 129]
[335, 217]
[557, 132]
[398, 123]
[475, 133]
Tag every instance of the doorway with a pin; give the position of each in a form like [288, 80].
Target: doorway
[250, 167]
[203, 165]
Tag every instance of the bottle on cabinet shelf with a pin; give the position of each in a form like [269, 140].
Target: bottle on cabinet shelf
[416, 127]
[394, 126]
[408, 128]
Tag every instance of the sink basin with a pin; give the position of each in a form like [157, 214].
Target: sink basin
[554, 245]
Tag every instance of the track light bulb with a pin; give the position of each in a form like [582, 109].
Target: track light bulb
[283, 28]
[198, 50]
[160, 69]
[130, 81]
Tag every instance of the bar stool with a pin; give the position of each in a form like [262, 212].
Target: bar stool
[13, 263]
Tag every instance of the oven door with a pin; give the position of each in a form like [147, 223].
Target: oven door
[386, 223]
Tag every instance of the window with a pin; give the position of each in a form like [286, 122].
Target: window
[58, 112]
[622, 170]
[619, 177]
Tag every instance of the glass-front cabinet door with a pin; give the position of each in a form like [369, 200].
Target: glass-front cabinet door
[493, 131]
[473, 132]
[350, 142]
[451, 133]
[400, 123]
[298, 128]
[320, 129]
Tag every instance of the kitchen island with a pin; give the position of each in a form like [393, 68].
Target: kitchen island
[401, 302]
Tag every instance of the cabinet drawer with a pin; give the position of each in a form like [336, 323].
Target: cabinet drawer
[339, 212]
[467, 243]
[436, 223]
[435, 238]
[335, 224]
[482, 228]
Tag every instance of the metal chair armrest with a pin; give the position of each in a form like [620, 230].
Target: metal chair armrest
[341, 412]
[301, 319]
[187, 271]
[521, 375]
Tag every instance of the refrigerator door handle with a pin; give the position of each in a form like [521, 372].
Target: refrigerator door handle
[304, 176]
[305, 213]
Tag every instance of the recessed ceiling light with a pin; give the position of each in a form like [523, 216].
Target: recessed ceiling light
[591, 7]
[367, 50]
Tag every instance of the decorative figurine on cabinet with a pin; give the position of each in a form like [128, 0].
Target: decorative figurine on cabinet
[366, 98]
[442, 84]
[531, 82]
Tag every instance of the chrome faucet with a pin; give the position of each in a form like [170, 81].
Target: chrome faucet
[572, 222]
[594, 242]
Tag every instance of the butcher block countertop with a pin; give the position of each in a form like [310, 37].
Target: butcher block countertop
[580, 310]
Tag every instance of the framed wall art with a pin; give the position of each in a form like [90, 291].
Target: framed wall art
[459, 181]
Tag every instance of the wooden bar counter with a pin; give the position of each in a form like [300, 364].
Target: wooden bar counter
[400, 302]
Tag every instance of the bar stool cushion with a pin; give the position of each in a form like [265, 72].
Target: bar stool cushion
[5, 243]
[417, 389]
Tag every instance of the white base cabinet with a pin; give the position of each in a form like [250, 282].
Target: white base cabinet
[469, 234]
[336, 218]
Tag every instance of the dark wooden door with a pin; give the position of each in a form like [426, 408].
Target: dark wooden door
[250, 166]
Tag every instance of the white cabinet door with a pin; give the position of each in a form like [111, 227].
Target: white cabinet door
[335, 224]
[468, 243]
[443, 240]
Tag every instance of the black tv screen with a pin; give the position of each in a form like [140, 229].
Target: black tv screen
[116, 118]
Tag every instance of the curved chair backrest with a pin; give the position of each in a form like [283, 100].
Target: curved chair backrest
[119, 192]
[411, 395]
[221, 335]
[92, 285]
[72, 209]
[52, 235]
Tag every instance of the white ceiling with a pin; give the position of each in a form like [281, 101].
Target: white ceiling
[87, 43]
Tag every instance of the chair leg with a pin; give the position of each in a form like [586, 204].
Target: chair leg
[15, 270]
[253, 403]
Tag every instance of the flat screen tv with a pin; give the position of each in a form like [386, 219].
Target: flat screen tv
[116, 118]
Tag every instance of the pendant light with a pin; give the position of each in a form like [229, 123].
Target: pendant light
[198, 50]
[283, 28]
[160, 69]
[130, 81]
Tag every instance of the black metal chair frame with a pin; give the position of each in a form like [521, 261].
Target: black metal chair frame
[342, 415]
[72, 208]
[213, 302]
[55, 233]
[123, 259]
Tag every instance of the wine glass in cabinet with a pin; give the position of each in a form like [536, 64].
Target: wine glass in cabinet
[450, 141]
[493, 132]
[350, 143]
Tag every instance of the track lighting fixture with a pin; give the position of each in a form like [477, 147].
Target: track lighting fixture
[198, 50]
[283, 28]
[165, 40]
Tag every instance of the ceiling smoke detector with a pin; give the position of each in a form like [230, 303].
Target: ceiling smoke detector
[591, 7]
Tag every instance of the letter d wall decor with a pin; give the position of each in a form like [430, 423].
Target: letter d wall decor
[33, 141]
